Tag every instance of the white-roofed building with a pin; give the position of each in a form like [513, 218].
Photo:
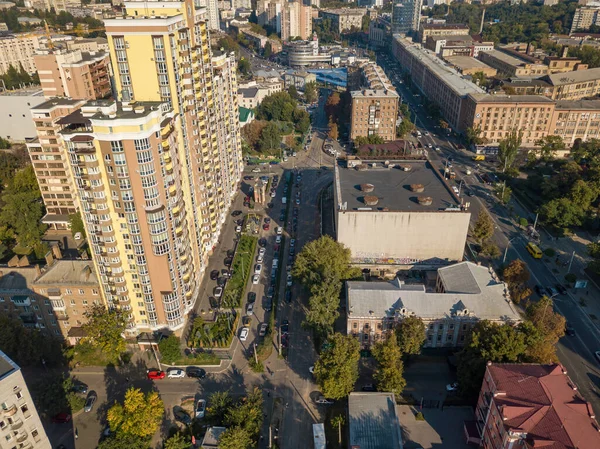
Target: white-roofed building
[464, 294]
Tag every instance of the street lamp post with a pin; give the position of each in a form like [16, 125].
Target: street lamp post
[506, 250]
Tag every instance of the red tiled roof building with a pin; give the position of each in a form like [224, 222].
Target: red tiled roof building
[527, 406]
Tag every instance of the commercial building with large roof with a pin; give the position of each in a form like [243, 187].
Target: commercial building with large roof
[398, 214]
[464, 294]
[531, 406]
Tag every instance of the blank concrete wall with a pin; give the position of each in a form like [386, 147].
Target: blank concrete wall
[411, 235]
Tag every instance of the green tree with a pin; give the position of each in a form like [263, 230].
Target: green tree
[244, 66]
[489, 249]
[228, 44]
[219, 404]
[270, 137]
[410, 333]
[177, 441]
[139, 415]
[278, 106]
[336, 370]
[388, 374]
[293, 92]
[76, 224]
[338, 421]
[473, 136]
[301, 120]
[487, 341]
[268, 51]
[235, 438]
[104, 330]
[549, 147]
[562, 213]
[483, 228]
[516, 275]
[321, 267]
[508, 149]
[310, 92]
[366, 21]
[542, 316]
[170, 349]
[248, 414]
[593, 250]
[124, 440]
[405, 127]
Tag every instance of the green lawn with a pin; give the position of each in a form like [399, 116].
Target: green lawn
[242, 263]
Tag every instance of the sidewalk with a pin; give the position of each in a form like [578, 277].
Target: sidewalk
[575, 247]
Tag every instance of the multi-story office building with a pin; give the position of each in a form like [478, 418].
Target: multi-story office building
[379, 32]
[497, 115]
[18, 50]
[344, 19]
[513, 64]
[464, 294]
[74, 74]
[437, 80]
[573, 120]
[573, 85]
[212, 12]
[586, 16]
[442, 29]
[156, 173]
[406, 16]
[375, 106]
[51, 162]
[20, 424]
[529, 405]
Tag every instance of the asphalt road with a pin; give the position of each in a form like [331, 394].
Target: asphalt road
[575, 353]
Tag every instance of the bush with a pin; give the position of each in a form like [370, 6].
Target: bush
[170, 349]
[571, 278]
[419, 417]
[550, 252]
[218, 333]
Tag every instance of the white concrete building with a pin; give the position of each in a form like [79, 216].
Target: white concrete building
[20, 424]
[15, 116]
[18, 49]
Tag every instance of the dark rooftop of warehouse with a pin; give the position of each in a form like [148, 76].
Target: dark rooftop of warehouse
[392, 186]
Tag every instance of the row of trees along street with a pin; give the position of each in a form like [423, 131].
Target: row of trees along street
[322, 267]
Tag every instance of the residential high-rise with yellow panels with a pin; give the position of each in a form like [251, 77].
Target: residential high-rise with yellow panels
[157, 170]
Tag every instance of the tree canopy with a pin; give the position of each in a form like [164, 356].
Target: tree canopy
[170, 349]
[411, 335]
[508, 149]
[336, 370]
[484, 227]
[104, 330]
[516, 275]
[124, 440]
[388, 374]
[321, 267]
[140, 414]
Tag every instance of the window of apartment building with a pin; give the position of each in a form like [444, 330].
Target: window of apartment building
[464, 327]
[68, 291]
[81, 291]
[2, 424]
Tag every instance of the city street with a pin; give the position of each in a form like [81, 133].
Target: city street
[576, 353]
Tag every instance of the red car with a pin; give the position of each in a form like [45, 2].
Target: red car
[266, 226]
[61, 418]
[155, 374]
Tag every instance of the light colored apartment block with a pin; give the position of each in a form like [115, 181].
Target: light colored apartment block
[18, 49]
[20, 424]
[50, 160]
[74, 74]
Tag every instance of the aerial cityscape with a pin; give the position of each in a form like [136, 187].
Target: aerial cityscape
[313, 224]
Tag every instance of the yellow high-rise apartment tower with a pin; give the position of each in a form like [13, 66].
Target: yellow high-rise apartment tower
[157, 170]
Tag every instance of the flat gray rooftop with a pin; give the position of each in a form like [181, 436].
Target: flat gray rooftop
[392, 187]
[373, 421]
[7, 366]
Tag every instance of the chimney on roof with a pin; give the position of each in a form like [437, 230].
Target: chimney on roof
[56, 250]
[24, 261]
[87, 271]
[49, 258]
[38, 271]
[14, 261]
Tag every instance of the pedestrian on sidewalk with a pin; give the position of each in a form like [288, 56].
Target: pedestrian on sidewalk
[76, 433]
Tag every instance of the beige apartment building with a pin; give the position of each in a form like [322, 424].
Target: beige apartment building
[512, 65]
[576, 120]
[156, 172]
[442, 29]
[18, 49]
[573, 85]
[464, 294]
[95, 44]
[374, 108]
[296, 20]
[54, 299]
[20, 424]
[498, 115]
[50, 161]
[438, 81]
[344, 19]
[585, 17]
[74, 74]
